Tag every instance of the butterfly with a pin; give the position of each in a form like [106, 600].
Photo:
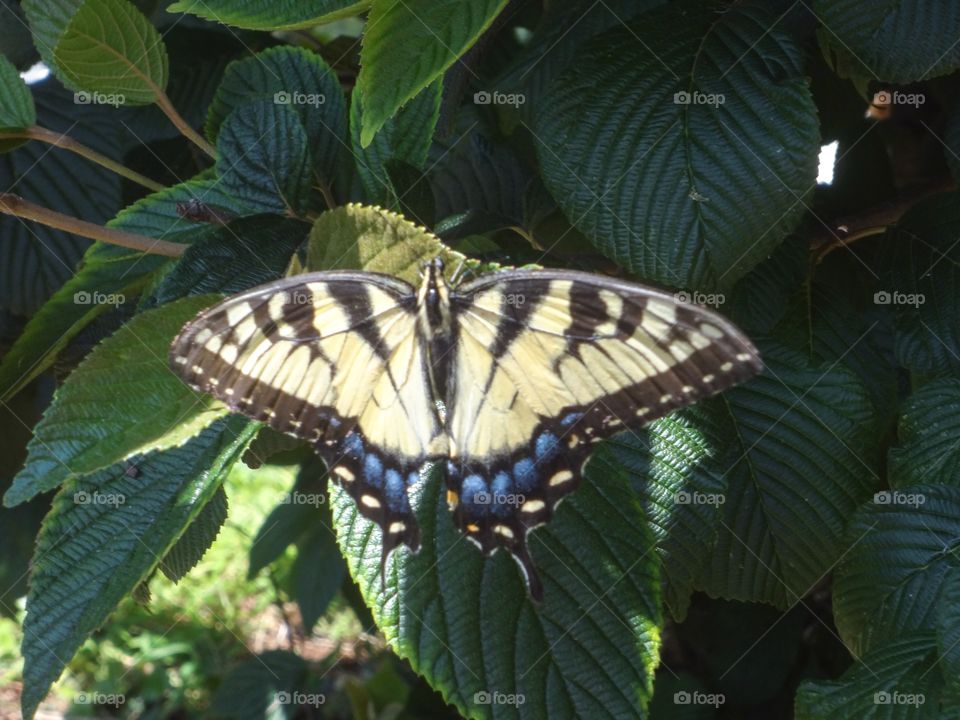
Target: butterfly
[506, 382]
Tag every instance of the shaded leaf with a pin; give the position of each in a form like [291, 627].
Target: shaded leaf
[929, 435]
[261, 687]
[104, 535]
[123, 399]
[408, 45]
[264, 158]
[197, 538]
[659, 98]
[16, 104]
[902, 547]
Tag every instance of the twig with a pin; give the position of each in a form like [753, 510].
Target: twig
[15, 205]
[66, 142]
[873, 221]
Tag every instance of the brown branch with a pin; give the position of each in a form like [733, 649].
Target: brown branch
[872, 221]
[66, 142]
[15, 205]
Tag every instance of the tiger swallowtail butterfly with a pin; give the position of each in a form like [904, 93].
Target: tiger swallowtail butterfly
[530, 368]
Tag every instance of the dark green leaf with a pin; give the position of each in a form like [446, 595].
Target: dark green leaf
[408, 45]
[16, 103]
[282, 15]
[897, 42]
[104, 535]
[123, 399]
[264, 158]
[318, 570]
[897, 681]
[48, 20]
[925, 292]
[197, 538]
[235, 257]
[262, 687]
[465, 622]
[902, 546]
[929, 435]
[300, 80]
[406, 136]
[659, 99]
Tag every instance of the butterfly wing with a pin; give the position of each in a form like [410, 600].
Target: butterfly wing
[332, 358]
[547, 363]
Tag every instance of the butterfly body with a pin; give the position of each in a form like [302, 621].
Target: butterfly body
[505, 382]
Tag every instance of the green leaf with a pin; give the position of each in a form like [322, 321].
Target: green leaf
[948, 632]
[925, 291]
[235, 257]
[659, 99]
[264, 158]
[897, 681]
[897, 42]
[122, 400]
[282, 15]
[300, 80]
[104, 535]
[466, 624]
[16, 43]
[107, 273]
[257, 687]
[902, 547]
[408, 45]
[319, 569]
[285, 524]
[197, 538]
[670, 466]
[928, 432]
[35, 259]
[110, 48]
[797, 449]
[406, 136]
[48, 21]
[376, 240]
[16, 103]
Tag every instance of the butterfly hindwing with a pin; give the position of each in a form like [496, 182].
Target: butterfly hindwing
[335, 359]
[547, 363]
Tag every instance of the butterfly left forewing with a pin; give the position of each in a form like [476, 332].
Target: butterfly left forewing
[546, 363]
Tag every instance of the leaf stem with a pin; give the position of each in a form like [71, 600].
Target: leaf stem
[15, 205]
[62, 140]
[163, 102]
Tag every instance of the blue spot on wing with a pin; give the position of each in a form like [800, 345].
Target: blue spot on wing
[373, 470]
[395, 491]
[546, 447]
[474, 493]
[524, 475]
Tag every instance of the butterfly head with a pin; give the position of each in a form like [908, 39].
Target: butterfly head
[433, 300]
